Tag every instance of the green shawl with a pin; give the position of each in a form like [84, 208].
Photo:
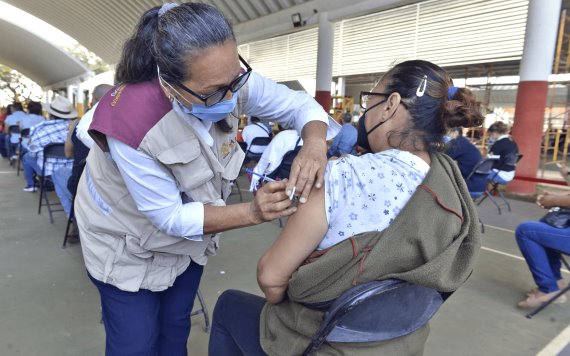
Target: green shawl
[433, 242]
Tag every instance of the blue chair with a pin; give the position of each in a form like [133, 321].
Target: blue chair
[481, 169]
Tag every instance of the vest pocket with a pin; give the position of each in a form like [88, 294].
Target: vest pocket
[187, 164]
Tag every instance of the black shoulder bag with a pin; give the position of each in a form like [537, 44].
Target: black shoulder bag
[557, 217]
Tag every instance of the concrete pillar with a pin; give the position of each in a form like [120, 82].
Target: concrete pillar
[80, 100]
[536, 65]
[341, 86]
[324, 61]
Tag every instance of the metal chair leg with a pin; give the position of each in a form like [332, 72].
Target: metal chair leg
[202, 310]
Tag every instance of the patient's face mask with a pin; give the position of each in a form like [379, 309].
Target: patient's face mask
[362, 137]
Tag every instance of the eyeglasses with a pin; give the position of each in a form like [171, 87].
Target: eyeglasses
[365, 96]
[220, 94]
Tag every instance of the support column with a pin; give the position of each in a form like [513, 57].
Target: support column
[536, 66]
[80, 100]
[70, 93]
[324, 62]
[341, 86]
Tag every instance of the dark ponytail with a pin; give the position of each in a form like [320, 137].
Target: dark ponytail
[137, 63]
[432, 113]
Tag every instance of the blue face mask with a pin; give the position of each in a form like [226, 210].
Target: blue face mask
[212, 113]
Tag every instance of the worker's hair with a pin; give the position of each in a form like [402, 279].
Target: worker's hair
[168, 38]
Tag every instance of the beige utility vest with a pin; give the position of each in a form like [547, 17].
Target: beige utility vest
[120, 245]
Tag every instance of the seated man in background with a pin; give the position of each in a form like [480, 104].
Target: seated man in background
[467, 156]
[345, 141]
[65, 178]
[53, 130]
[255, 129]
[272, 157]
[504, 147]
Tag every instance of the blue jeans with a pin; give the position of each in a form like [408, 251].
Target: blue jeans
[3, 151]
[9, 146]
[30, 163]
[60, 177]
[235, 325]
[538, 242]
[149, 323]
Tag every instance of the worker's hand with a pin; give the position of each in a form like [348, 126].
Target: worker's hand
[271, 203]
[308, 168]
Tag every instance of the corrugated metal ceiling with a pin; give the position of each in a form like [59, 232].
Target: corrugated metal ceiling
[103, 25]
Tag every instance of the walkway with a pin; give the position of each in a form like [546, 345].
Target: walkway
[48, 306]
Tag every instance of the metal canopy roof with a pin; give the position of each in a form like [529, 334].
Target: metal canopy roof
[102, 26]
[39, 60]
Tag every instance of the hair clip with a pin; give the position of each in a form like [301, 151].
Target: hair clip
[422, 87]
[451, 92]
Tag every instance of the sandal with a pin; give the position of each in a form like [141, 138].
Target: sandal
[537, 299]
[561, 285]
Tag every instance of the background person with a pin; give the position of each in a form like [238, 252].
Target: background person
[10, 142]
[85, 122]
[66, 178]
[256, 128]
[504, 147]
[151, 201]
[369, 222]
[539, 243]
[35, 117]
[272, 157]
[467, 156]
[54, 130]
[345, 141]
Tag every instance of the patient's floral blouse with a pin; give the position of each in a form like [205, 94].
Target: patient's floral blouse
[366, 193]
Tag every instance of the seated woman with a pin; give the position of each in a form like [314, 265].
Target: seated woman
[467, 156]
[401, 211]
[539, 243]
[504, 147]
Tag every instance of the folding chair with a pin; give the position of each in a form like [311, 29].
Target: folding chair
[252, 157]
[52, 150]
[510, 162]
[557, 295]
[483, 169]
[24, 134]
[203, 310]
[376, 311]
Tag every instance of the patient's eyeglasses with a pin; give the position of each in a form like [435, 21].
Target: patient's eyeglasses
[365, 96]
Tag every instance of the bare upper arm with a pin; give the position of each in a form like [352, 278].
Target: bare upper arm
[299, 238]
